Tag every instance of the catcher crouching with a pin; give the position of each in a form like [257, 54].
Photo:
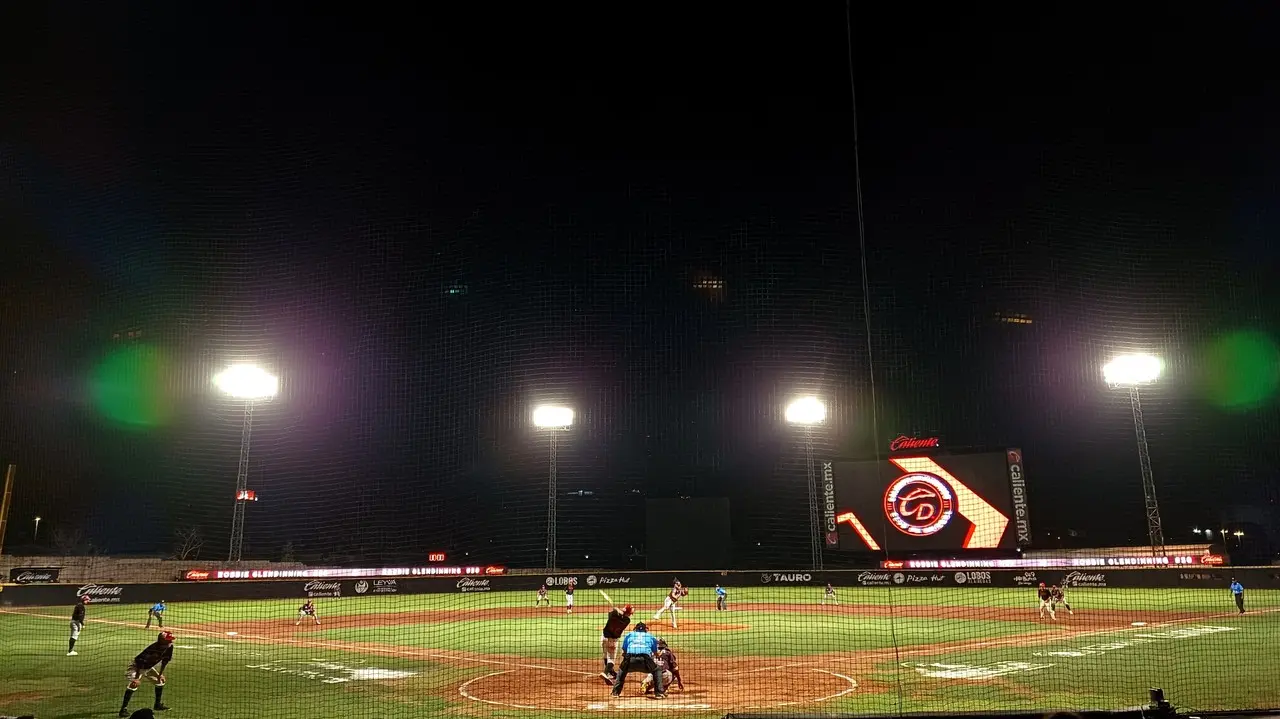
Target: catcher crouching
[668, 667]
[149, 665]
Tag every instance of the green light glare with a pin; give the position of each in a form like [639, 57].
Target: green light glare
[1242, 370]
[129, 387]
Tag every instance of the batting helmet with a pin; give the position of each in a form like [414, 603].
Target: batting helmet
[626, 611]
[166, 637]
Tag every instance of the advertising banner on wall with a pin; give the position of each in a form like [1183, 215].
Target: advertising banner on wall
[34, 575]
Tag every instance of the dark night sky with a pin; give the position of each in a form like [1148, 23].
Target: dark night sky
[300, 186]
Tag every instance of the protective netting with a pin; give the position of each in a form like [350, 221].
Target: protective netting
[419, 288]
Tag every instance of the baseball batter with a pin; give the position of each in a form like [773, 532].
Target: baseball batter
[542, 597]
[829, 595]
[149, 665]
[1046, 602]
[77, 624]
[568, 595]
[668, 667]
[307, 610]
[614, 626]
[671, 603]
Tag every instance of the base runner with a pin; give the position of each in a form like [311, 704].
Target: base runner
[668, 667]
[829, 594]
[1046, 601]
[671, 602]
[149, 665]
[77, 624]
[542, 597]
[568, 595]
[1058, 595]
[307, 610]
[614, 626]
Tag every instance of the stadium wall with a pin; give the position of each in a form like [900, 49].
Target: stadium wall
[142, 593]
[116, 569]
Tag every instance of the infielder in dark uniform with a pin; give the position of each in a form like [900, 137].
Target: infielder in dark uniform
[542, 596]
[149, 665]
[637, 655]
[614, 625]
[77, 624]
[1059, 596]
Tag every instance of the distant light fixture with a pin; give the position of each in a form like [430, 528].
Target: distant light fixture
[1133, 370]
[806, 410]
[551, 417]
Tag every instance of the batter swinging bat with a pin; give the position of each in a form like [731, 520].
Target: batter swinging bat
[606, 597]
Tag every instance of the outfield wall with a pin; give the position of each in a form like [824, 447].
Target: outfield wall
[125, 593]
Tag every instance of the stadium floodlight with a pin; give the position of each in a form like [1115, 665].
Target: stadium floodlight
[553, 419]
[250, 384]
[809, 412]
[247, 382]
[806, 411]
[1132, 372]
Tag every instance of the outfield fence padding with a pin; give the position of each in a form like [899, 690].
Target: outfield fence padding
[138, 593]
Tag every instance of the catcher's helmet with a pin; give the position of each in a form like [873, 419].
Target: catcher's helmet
[662, 643]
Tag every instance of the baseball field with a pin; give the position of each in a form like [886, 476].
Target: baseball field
[490, 655]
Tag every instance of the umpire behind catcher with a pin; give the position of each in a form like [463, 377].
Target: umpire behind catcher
[637, 655]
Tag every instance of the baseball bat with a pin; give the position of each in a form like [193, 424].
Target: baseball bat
[606, 597]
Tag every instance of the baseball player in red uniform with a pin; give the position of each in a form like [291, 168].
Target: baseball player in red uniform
[568, 595]
[614, 626]
[1046, 602]
[307, 610]
[149, 665]
[672, 602]
[542, 597]
[668, 667]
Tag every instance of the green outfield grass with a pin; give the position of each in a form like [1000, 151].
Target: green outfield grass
[911, 649]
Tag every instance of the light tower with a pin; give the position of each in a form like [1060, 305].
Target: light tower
[249, 384]
[553, 419]
[1132, 372]
[809, 412]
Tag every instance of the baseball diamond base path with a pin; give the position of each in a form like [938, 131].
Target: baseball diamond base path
[712, 683]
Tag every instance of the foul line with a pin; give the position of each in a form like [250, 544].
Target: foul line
[358, 648]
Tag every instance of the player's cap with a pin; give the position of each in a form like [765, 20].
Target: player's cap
[662, 643]
[1042, 584]
[166, 637]
[627, 610]
[642, 627]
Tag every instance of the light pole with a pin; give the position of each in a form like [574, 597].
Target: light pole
[808, 412]
[250, 384]
[553, 419]
[1132, 372]
[35, 534]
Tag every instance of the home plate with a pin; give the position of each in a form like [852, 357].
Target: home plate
[1138, 624]
[646, 705]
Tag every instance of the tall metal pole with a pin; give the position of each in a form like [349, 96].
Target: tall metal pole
[815, 518]
[1155, 530]
[242, 483]
[551, 506]
[6, 501]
